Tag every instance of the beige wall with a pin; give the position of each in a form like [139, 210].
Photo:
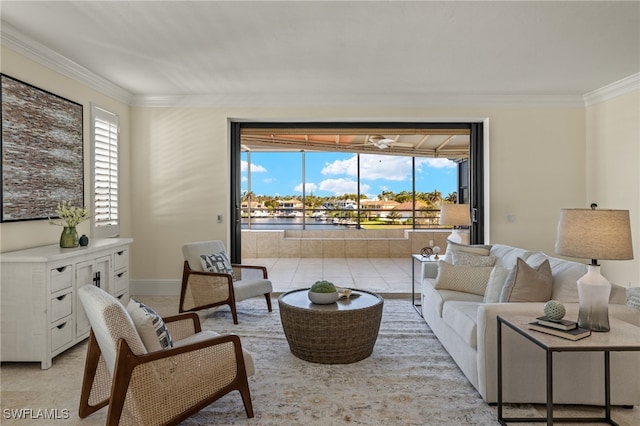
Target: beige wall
[613, 175]
[175, 168]
[19, 235]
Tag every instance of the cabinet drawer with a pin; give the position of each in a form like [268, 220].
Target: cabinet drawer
[61, 335]
[61, 278]
[120, 281]
[123, 298]
[120, 259]
[61, 306]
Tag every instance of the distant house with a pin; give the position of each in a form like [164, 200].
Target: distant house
[377, 207]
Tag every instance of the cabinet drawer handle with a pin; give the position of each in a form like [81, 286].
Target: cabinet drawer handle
[120, 253]
[61, 269]
[120, 274]
[62, 297]
[61, 326]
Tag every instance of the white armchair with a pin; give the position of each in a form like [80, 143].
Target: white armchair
[160, 387]
[222, 283]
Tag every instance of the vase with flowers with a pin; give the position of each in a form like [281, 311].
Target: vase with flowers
[70, 217]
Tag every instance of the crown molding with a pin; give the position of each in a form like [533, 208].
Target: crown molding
[346, 100]
[14, 40]
[613, 90]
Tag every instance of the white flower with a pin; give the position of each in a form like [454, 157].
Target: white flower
[71, 216]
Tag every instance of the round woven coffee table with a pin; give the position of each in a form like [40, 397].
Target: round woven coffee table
[339, 333]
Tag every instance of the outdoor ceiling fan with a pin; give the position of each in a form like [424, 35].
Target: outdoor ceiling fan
[379, 141]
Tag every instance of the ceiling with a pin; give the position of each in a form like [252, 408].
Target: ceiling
[435, 143]
[328, 53]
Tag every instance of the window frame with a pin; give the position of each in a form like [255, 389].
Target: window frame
[98, 228]
[476, 168]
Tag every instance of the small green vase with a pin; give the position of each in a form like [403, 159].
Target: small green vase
[69, 237]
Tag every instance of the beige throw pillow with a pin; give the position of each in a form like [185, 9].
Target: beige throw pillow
[468, 279]
[528, 284]
[461, 258]
[477, 249]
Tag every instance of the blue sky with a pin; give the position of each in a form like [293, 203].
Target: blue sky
[335, 173]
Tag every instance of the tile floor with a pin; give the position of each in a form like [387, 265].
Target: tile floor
[381, 275]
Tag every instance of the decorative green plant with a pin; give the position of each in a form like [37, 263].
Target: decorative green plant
[70, 215]
[323, 287]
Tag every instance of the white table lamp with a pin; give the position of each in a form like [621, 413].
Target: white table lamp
[594, 234]
[456, 215]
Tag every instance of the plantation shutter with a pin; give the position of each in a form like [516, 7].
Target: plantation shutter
[105, 174]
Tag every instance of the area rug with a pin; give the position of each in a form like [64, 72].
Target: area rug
[408, 380]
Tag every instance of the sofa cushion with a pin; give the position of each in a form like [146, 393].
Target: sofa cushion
[528, 284]
[477, 249]
[496, 281]
[436, 299]
[468, 279]
[461, 258]
[508, 255]
[461, 316]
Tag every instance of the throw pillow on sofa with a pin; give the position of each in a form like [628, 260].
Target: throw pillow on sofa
[476, 249]
[496, 281]
[528, 284]
[460, 258]
[468, 279]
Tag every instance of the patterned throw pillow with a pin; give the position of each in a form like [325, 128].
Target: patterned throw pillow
[151, 328]
[217, 262]
[468, 279]
[460, 258]
[633, 297]
[528, 284]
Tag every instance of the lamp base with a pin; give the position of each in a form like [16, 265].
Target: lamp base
[593, 294]
[459, 237]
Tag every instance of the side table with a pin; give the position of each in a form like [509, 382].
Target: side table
[417, 272]
[622, 337]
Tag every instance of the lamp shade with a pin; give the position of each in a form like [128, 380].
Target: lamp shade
[455, 215]
[594, 234]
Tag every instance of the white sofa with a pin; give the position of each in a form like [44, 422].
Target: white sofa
[467, 326]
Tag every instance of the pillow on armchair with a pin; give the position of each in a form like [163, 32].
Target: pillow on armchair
[217, 262]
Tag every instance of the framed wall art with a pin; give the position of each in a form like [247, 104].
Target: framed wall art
[42, 152]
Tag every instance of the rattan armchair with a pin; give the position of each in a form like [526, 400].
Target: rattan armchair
[162, 387]
[203, 289]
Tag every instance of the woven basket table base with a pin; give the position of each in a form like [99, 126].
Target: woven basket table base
[339, 333]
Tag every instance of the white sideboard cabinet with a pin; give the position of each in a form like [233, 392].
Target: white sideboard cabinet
[41, 314]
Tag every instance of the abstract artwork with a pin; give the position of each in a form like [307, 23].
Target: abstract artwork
[42, 152]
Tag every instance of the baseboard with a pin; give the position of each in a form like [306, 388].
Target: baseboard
[154, 288]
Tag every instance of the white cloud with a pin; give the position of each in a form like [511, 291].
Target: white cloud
[255, 168]
[342, 186]
[309, 187]
[372, 167]
[436, 163]
[342, 167]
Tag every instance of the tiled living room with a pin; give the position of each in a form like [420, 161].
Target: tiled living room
[554, 88]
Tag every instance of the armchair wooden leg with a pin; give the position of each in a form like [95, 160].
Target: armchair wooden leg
[246, 398]
[234, 314]
[268, 297]
[90, 370]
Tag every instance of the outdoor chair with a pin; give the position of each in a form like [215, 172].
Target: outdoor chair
[209, 279]
[155, 387]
